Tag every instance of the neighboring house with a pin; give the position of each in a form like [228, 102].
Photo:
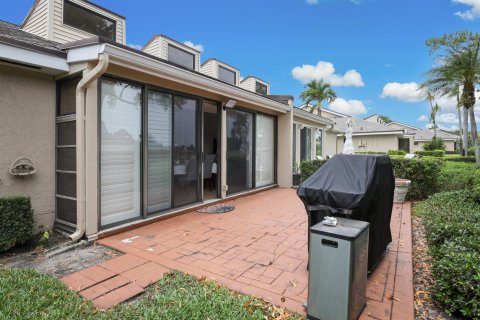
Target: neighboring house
[368, 136]
[310, 139]
[422, 136]
[120, 136]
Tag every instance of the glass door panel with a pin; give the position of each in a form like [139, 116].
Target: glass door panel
[159, 152]
[185, 151]
[239, 150]
[265, 151]
[120, 151]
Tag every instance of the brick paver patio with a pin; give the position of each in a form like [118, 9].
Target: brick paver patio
[260, 248]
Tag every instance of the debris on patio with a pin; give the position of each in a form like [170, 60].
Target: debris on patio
[217, 208]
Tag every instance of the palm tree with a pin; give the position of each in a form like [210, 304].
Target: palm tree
[461, 67]
[319, 91]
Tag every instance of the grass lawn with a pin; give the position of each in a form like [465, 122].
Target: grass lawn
[26, 294]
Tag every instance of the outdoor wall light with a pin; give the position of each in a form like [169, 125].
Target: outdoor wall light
[230, 104]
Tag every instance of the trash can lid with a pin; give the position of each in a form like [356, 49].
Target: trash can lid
[346, 229]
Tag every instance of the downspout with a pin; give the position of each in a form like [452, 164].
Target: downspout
[87, 79]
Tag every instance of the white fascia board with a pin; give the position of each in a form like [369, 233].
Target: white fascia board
[52, 64]
[311, 117]
[129, 59]
[428, 140]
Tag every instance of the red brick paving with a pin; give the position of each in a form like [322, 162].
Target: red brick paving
[260, 248]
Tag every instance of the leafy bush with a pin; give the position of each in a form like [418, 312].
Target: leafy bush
[16, 221]
[431, 153]
[371, 152]
[451, 152]
[452, 227]
[471, 151]
[434, 144]
[457, 176]
[307, 168]
[422, 172]
[397, 152]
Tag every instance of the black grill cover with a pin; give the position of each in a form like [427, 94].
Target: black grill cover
[358, 187]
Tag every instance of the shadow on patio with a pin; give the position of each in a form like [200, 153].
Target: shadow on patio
[260, 248]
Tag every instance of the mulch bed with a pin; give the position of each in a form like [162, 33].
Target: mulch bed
[425, 307]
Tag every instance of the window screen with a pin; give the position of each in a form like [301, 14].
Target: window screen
[88, 21]
[181, 57]
[226, 75]
[260, 88]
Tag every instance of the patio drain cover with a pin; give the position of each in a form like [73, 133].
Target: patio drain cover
[218, 208]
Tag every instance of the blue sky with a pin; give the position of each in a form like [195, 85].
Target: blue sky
[372, 50]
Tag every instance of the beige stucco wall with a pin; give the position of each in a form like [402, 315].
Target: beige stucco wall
[27, 128]
[284, 146]
[330, 144]
[378, 143]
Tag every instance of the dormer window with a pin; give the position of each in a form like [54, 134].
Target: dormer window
[88, 21]
[226, 75]
[181, 57]
[260, 88]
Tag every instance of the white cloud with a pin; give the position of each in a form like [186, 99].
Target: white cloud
[326, 71]
[407, 92]
[350, 107]
[447, 118]
[311, 1]
[423, 118]
[472, 13]
[135, 46]
[198, 47]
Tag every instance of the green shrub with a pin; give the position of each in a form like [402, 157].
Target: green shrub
[371, 152]
[452, 228]
[422, 172]
[431, 153]
[434, 144]
[457, 176]
[460, 159]
[397, 152]
[16, 221]
[452, 152]
[471, 151]
[307, 168]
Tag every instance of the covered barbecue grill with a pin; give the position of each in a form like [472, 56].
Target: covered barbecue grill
[358, 187]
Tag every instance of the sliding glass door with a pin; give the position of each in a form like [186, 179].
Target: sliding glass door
[264, 150]
[185, 151]
[159, 151]
[120, 154]
[239, 150]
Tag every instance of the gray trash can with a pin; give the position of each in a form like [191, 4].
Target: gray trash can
[337, 281]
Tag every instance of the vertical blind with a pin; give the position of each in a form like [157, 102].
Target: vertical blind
[120, 151]
[265, 151]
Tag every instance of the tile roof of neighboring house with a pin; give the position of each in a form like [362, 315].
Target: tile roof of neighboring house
[362, 126]
[11, 34]
[428, 135]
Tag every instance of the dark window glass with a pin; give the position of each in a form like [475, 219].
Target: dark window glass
[260, 88]
[226, 75]
[185, 151]
[88, 21]
[181, 57]
[67, 184]
[67, 210]
[66, 133]
[67, 102]
[66, 159]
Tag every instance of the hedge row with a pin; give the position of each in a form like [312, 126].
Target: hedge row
[16, 221]
[461, 159]
[452, 227]
[397, 152]
[422, 173]
[458, 176]
[431, 153]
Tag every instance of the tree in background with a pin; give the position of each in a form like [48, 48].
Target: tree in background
[434, 109]
[385, 119]
[319, 91]
[460, 55]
